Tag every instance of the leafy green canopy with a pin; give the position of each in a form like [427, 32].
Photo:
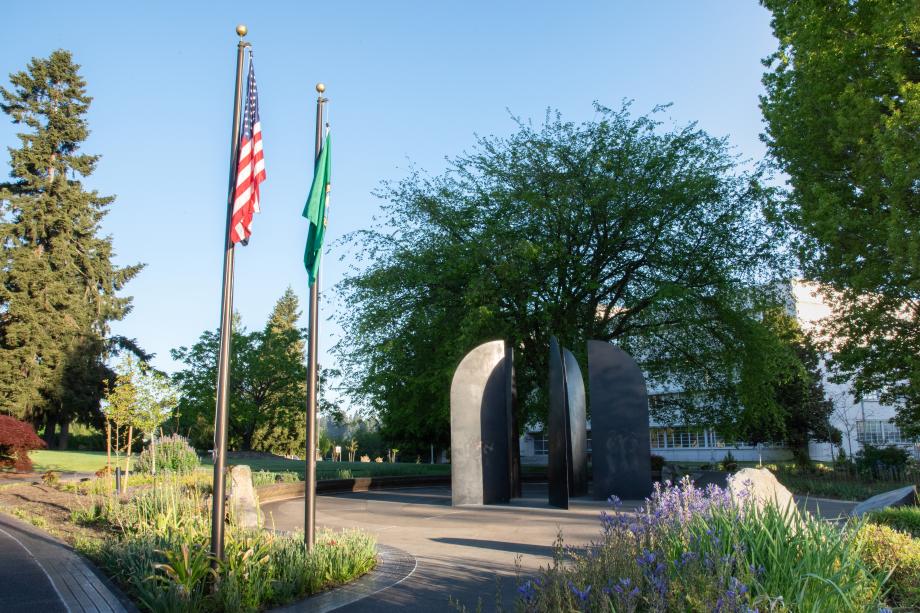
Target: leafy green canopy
[842, 107]
[798, 390]
[267, 385]
[615, 229]
[58, 285]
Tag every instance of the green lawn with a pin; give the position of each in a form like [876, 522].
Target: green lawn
[91, 461]
[340, 470]
[68, 461]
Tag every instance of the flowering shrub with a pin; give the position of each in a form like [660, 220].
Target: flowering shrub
[17, 439]
[688, 549]
[173, 454]
[887, 550]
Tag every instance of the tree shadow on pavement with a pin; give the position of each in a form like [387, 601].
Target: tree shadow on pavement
[523, 548]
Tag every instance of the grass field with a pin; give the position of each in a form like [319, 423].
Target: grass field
[340, 470]
[91, 461]
[68, 461]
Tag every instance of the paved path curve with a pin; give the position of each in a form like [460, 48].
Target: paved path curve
[40, 574]
[468, 554]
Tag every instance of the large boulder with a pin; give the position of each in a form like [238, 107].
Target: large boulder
[244, 506]
[762, 486]
[895, 498]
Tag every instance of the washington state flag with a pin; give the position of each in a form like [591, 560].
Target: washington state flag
[316, 211]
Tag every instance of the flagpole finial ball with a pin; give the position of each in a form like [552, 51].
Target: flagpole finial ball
[320, 87]
[241, 30]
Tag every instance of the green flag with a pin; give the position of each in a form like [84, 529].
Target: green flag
[315, 211]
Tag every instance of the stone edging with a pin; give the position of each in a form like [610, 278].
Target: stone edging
[393, 567]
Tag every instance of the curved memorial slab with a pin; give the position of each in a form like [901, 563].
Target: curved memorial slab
[480, 429]
[511, 403]
[578, 435]
[620, 450]
[557, 426]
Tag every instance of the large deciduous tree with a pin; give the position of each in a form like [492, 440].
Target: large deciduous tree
[58, 285]
[842, 107]
[617, 229]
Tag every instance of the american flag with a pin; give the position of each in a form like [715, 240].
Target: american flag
[251, 166]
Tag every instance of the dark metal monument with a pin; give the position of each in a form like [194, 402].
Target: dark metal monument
[511, 404]
[578, 422]
[481, 431]
[558, 432]
[567, 465]
[620, 454]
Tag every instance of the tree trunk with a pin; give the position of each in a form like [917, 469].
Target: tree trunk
[108, 445]
[153, 453]
[124, 481]
[50, 427]
[63, 436]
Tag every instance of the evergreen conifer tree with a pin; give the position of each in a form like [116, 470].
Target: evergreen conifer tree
[58, 285]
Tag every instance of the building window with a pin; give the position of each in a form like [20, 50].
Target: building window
[878, 433]
[540, 443]
[676, 438]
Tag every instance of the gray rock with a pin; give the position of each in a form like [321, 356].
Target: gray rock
[762, 486]
[895, 498]
[244, 505]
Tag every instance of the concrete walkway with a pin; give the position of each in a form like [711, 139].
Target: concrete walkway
[467, 554]
[39, 574]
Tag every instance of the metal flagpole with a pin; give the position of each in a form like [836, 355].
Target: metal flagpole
[309, 523]
[226, 314]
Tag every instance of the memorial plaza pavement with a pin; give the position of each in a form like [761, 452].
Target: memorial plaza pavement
[468, 554]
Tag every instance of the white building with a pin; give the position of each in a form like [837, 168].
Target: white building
[867, 421]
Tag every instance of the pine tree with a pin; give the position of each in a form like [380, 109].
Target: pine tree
[58, 285]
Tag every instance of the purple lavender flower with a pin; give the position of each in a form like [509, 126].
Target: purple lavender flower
[527, 591]
[582, 595]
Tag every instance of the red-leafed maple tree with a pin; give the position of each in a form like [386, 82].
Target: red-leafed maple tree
[17, 439]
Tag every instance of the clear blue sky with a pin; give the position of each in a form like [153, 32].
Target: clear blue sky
[408, 81]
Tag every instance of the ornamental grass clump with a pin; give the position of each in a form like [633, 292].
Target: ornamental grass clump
[158, 552]
[689, 549]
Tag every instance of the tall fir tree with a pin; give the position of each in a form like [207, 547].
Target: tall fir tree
[58, 285]
[282, 370]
